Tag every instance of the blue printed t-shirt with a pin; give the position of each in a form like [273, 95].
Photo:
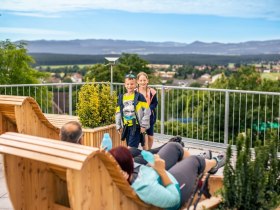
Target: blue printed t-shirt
[128, 109]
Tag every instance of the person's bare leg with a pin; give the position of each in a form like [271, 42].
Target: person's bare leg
[146, 146]
[186, 153]
[150, 141]
[209, 164]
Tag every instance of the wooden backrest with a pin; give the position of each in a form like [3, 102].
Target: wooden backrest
[47, 174]
[92, 136]
[23, 115]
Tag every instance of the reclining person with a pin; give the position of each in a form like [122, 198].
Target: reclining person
[138, 158]
[136, 153]
[168, 183]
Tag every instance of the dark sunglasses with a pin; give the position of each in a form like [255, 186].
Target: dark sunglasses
[130, 76]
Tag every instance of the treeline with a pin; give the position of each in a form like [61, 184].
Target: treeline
[195, 59]
[185, 59]
[43, 59]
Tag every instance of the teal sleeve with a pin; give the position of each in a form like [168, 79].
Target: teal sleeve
[152, 192]
[158, 195]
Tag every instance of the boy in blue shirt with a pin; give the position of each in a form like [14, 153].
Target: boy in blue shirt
[132, 113]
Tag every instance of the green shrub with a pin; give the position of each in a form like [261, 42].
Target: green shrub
[254, 182]
[96, 106]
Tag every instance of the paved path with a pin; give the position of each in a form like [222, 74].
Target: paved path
[5, 203]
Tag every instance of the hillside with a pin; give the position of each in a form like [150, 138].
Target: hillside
[108, 46]
[192, 59]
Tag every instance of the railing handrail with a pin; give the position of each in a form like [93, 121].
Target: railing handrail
[51, 84]
[154, 86]
[228, 122]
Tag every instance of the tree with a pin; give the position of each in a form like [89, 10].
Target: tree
[15, 65]
[67, 79]
[184, 71]
[195, 84]
[15, 69]
[134, 62]
[246, 78]
[126, 63]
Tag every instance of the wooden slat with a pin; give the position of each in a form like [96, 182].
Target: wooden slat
[12, 103]
[41, 157]
[60, 120]
[49, 143]
[53, 152]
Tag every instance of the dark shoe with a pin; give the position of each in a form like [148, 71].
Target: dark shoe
[221, 160]
[177, 139]
[206, 154]
[142, 139]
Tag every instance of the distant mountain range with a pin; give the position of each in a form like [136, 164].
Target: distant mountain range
[108, 46]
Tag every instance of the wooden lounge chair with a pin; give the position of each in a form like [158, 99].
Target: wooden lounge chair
[23, 115]
[47, 174]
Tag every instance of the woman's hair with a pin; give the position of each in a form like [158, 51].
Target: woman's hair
[124, 158]
[142, 73]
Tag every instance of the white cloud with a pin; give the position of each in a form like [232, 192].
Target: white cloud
[36, 14]
[32, 31]
[268, 9]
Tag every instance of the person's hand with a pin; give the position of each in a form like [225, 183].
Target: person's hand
[159, 167]
[143, 130]
[102, 149]
[159, 164]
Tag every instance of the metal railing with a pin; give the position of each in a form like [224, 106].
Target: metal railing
[215, 115]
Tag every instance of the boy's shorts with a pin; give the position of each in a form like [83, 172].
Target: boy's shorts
[150, 131]
[133, 140]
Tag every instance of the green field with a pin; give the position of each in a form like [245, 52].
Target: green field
[272, 76]
[63, 66]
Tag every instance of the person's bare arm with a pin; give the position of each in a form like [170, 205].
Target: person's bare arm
[159, 166]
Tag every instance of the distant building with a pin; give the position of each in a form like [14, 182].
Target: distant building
[204, 79]
[206, 76]
[163, 74]
[231, 66]
[76, 77]
[158, 66]
[215, 77]
[175, 67]
[53, 80]
[276, 68]
[201, 68]
[183, 83]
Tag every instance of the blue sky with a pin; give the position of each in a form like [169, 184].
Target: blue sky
[227, 21]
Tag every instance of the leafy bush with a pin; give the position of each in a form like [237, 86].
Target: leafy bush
[96, 106]
[254, 183]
